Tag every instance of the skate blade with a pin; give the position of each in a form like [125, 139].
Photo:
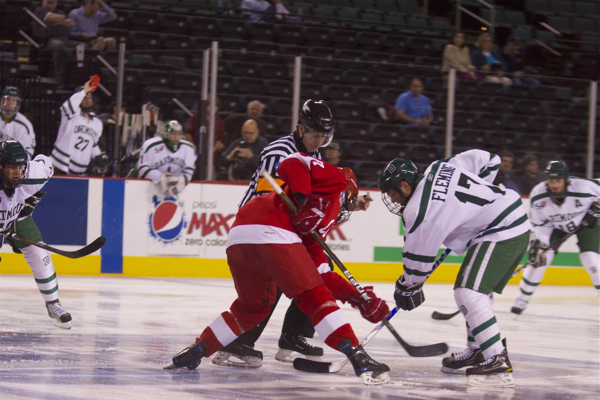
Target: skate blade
[171, 366]
[452, 371]
[223, 359]
[63, 325]
[284, 356]
[500, 380]
[367, 378]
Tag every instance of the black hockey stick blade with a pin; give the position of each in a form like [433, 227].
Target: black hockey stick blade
[315, 367]
[84, 251]
[444, 317]
[429, 350]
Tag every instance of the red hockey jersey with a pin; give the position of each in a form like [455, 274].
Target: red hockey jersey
[266, 219]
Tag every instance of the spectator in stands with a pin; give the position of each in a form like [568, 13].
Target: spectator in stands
[489, 61]
[412, 107]
[233, 123]
[242, 155]
[529, 175]
[458, 56]
[55, 37]
[87, 18]
[333, 155]
[263, 10]
[377, 110]
[190, 129]
[505, 172]
[515, 62]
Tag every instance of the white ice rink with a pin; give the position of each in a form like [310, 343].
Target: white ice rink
[126, 329]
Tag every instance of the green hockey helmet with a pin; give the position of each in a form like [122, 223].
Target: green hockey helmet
[14, 164]
[396, 171]
[172, 134]
[557, 170]
[10, 101]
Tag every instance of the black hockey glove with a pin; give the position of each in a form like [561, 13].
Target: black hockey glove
[537, 258]
[30, 204]
[99, 165]
[408, 297]
[592, 218]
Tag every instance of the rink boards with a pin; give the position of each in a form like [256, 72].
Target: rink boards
[149, 235]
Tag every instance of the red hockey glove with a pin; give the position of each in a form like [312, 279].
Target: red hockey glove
[310, 214]
[375, 311]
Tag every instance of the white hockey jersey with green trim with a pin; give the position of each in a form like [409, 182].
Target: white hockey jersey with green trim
[20, 129]
[78, 136]
[456, 205]
[547, 215]
[157, 159]
[40, 171]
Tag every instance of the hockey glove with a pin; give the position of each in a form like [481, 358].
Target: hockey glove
[98, 165]
[30, 204]
[374, 311]
[537, 258]
[408, 297]
[592, 218]
[177, 186]
[310, 214]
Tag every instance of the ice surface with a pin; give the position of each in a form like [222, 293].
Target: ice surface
[126, 329]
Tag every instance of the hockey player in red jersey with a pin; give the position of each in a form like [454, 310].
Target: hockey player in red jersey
[268, 248]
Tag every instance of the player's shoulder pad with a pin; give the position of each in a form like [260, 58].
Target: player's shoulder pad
[151, 143]
[537, 190]
[23, 119]
[188, 143]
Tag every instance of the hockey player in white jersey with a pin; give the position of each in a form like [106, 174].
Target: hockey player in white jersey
[20, 181]
[79, 133]
[168, 161]
[15, 125]
[561, 205]
[455, 204]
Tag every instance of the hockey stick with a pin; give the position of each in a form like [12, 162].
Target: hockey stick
[555, 247]
[414, 351]
[84, 251]
[302, 364]
[320, 367]
[444, 317]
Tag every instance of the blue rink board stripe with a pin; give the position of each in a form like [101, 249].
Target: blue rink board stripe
[113, 203]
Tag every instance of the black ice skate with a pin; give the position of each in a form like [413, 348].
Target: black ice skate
[519, 307]
[466, 358]
[289, 343]
[249, 357]
[60, 317]
[189, 357]
[371, 371]
[495, 371]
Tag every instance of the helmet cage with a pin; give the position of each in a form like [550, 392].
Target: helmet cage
[4, 105]
[349, 197]
[10, 183]
[393, 207]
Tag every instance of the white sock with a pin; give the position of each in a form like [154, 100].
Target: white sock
[591, 263]
[40, 262]
[532, 278]
[477, 309]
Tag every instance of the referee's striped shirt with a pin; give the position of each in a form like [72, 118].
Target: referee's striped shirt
[269, 160]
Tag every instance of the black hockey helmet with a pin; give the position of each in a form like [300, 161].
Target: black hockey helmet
[6, 103]
[14, 164]
[317, 116]
[396, 171]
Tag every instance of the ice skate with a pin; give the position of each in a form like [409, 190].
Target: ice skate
[189, 357]
[372, 372]
[495, 371]
[249, 358]
[289, 343]
[466, 358]
[60, 317]
[519, 307]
